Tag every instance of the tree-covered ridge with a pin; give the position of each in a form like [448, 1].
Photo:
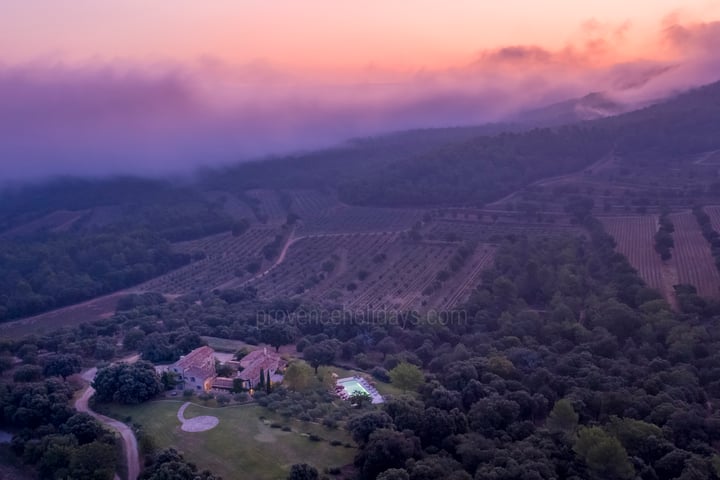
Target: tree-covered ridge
[678, 128]
[462, 167]
[121, 238]
[60, 269]
[480, 170]
[168, 208]
[326, 168]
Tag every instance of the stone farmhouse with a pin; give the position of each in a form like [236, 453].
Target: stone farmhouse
[261, 360]
[197, 369]
[251, 366]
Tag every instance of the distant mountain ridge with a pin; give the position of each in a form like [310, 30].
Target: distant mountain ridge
[592, 106]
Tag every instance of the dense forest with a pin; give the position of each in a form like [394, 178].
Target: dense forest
[57, 270]
[122, 238]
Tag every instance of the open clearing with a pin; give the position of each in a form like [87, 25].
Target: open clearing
[58, 221]
[241, 442]
[70, 316]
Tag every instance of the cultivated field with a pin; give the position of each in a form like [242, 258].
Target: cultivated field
[311, 203]
[226, 259]
[399, 284]
[483, 232]
[466, 280]
[713, 211]
[241, 442]
[345, 219]
[71, 316]
[373, 271]
[58, 221]
[231, 204]
[635, 238]
[693, 259]
[313, 262]
[269, 207]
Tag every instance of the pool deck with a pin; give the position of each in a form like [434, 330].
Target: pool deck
[344, 393]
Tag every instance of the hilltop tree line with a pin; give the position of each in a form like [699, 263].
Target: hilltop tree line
[61, 269]
[122, 244]
[474, 166]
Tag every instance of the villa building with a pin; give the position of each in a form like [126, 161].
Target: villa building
[197, 369]
[261, 360]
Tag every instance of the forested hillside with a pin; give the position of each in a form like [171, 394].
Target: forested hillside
[57, 270]
[327, 168]
[478, 166]
[119, 237]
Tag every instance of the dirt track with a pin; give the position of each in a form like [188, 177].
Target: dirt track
[128, 437]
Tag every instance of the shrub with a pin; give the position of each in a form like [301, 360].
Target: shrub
[362, 361]
[330, 423]
[206, 396]
[381, 374]
[241, 397]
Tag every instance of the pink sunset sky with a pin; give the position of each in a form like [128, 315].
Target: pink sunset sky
[97, 86]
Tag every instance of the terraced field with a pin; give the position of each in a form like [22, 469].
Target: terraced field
[466, 280]
[400, 283]
[346, 219]
[269, 207]
[370, 271]
[231, 204]
[311, 203]
[313, 262]
[226, 257]
[483, 232]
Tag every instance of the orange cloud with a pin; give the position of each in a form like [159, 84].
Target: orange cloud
[101, 115]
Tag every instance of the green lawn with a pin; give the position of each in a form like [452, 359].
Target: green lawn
[225, 344]
[242, 445]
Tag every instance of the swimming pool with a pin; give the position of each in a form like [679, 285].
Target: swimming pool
[347, 386]
[351, 386]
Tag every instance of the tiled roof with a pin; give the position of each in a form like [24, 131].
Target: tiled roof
[199, 363]
[261, 359]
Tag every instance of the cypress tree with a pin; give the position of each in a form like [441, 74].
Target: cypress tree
[261, 384]
[267, 382]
